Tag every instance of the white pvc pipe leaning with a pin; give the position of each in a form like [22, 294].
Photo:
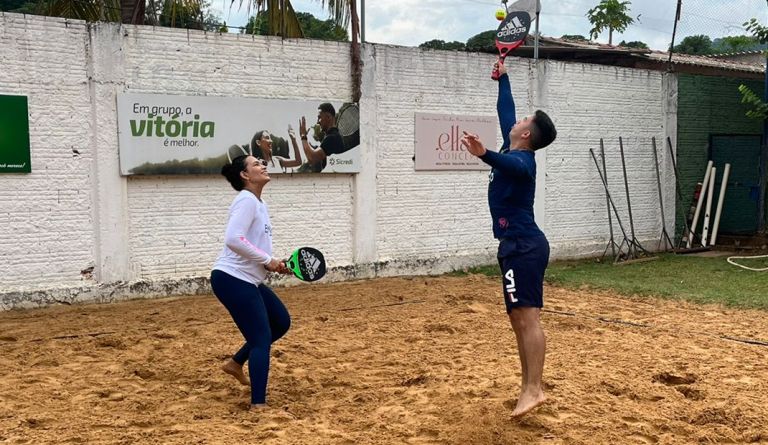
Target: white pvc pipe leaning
[718, 212]
[708, 210]
[698, 204]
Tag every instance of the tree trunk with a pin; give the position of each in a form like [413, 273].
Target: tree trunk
[132, 11]
[610, 36]
[357, 66]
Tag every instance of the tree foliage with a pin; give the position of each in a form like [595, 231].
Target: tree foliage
[759, 31]
[759, 107]
[190, 15]
[612, 15]
[20, 6]
[634, 44]
[696, 45]
[735, 44]
[312, 27]
[442, 44]
[483, 42]
[575, 37]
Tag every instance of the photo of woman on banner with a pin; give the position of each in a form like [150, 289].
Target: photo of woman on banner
[262, 148]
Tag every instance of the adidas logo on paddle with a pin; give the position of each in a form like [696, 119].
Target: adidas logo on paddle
[513, 26]
[311, 263]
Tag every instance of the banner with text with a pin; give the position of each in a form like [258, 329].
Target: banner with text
[438, 141]
[172, 135]
[14, 135]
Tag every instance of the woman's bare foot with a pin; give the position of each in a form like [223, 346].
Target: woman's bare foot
[235, 369]
[258, 407]
[528, 402]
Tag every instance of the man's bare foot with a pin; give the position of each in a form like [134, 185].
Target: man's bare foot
[527, 403]
[258, 407]
[235, 370]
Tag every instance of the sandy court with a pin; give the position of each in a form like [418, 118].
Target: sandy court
[423, 360]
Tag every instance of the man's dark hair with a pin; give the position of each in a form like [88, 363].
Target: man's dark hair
[543, 131]
[327, 108]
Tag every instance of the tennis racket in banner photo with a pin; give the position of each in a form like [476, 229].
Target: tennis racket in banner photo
[307, 264]
[348, 123]
[514, 28]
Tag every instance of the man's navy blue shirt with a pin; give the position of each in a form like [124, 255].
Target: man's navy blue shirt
[513, 177]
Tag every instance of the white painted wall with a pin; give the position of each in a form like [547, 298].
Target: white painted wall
[75, 211]
[46, 225]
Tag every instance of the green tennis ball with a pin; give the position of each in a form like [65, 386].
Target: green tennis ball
[501, 14]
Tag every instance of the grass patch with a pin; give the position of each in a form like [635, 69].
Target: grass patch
[683, 277]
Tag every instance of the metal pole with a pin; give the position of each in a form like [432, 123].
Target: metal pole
[664, 234]
[362, 21]
[626, 188]
[674, 31]
[680, 204]
[607, 200]
[763, 162]
[536, 39]
[605, 184]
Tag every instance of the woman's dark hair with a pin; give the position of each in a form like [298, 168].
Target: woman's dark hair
[255, 147]
[232, 172]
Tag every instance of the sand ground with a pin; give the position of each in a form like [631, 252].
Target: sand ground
[427, 360]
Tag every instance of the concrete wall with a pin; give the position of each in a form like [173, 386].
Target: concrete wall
[74, 230]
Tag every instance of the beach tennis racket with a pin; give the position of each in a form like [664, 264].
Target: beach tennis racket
[348, 123]
[514, 29]
[307, 264]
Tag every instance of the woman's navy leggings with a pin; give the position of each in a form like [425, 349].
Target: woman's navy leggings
[261, 317]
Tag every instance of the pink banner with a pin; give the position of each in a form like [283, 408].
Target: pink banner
[438, 141]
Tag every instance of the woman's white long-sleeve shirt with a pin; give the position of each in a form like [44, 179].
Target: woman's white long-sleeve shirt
[247, 240]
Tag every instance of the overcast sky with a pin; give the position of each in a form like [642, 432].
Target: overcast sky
[411, 22]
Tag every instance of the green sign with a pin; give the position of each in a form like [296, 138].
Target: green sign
[14, 135]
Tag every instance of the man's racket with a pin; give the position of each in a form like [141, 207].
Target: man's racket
[514, 29]
[307, 264]
[348, 123]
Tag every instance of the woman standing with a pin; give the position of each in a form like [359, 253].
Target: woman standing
[238, 275]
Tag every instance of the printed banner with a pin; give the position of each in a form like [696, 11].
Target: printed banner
[438, 141]
[180, 135]
[14, 135]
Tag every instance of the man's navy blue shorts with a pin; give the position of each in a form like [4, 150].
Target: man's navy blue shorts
[523, 262]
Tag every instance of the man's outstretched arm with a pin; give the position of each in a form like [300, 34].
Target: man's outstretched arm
[505, 105]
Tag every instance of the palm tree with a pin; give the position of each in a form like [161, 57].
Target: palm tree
[610, 14]
[281, 18]
[104, 10]
[344, 13]
[283, 21]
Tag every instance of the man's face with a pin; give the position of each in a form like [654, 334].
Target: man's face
[521, 130]
[325, 120]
